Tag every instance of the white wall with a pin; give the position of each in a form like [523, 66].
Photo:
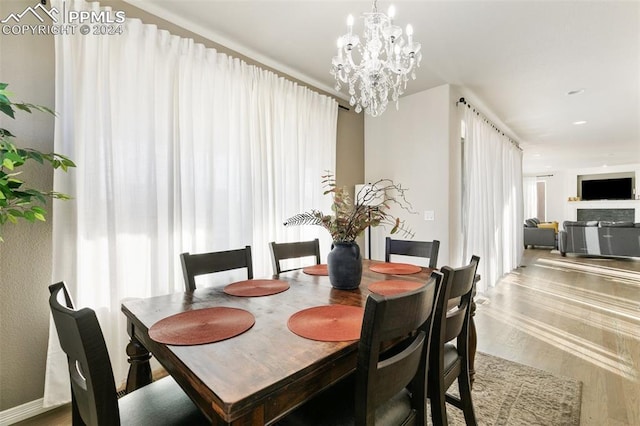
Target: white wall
[412, 147]
[563, 185]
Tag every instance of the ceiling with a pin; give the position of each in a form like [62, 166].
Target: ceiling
[517, 60]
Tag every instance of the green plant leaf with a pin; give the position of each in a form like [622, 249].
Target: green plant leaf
[5, 133]
[13, 183]
[40, 196]
[15, 157]
[29, 215]
[7, 163]
[6, 108]
[67, 162]
[41, 108]
[60, 196]
[36, 156]
[23, 107]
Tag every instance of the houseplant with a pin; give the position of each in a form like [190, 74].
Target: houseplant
[349, 220]
[17, 199]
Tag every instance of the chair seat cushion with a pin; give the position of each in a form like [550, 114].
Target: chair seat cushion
[162, 402]
[451, 357]
[335, 407]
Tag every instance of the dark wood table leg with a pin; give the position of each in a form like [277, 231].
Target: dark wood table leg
[473, 343]
[473, 334]
[139, 369]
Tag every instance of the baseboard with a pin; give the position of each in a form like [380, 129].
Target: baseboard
[23, 412]
[34, 408]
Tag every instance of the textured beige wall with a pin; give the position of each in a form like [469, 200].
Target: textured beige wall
[27, 63]
[350, 153]
[350, 149]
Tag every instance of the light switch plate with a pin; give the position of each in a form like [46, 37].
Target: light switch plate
[429, 215]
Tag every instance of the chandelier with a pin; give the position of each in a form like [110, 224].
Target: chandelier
[386, 60]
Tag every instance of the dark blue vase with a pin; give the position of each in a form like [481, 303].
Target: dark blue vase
[345, 266]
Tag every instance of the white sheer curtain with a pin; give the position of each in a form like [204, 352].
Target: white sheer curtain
[179, 148]
[492, 199]
[530, 196]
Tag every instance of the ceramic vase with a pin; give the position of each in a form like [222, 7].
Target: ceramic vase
[345, 265]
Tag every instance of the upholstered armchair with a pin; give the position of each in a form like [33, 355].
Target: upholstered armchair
[537, 233]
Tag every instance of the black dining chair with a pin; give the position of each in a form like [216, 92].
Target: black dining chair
[426, 249]
[218, 261]
[299, 249]
[449, 357]
[93, 391]
[378, 394]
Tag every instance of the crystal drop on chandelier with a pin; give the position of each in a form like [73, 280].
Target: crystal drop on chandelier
[386, 61]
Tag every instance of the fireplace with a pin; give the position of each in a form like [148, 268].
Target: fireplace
[612, 215]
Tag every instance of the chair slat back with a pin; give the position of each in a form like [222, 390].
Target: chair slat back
[457, 284]
[404, 320]
[426, 249]
[455, 321]
[208, 263]
[93, 388]
[283, 251]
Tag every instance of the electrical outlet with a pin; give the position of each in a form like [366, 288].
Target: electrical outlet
[429, 215]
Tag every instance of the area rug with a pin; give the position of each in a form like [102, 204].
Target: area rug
[512, 394]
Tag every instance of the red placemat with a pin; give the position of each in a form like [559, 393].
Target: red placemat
[395, 268]
[316, 269]
[330, 323]
[254, 288]
[391, 287]
[202, 326]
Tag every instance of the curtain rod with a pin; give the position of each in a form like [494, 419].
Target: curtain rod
[489, 122]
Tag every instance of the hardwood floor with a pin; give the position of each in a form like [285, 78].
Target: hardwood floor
[60, 416]
[574, 316]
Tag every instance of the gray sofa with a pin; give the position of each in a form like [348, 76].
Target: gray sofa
[600, 238]
[534, 236]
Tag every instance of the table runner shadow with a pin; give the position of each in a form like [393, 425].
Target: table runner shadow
[508, 393]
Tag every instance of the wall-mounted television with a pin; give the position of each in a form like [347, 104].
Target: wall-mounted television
[607, 189]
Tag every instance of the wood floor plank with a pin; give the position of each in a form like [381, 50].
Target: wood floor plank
[574, 316]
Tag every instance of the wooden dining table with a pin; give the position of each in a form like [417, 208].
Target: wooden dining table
[258, 376]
